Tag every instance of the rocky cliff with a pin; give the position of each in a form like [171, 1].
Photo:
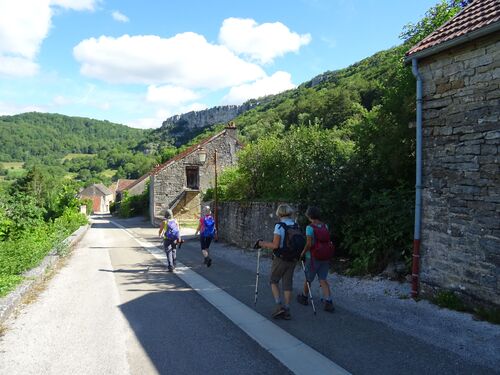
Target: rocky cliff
[187, 125]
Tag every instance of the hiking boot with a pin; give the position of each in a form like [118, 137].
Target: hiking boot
[302, 299]
[329, 306]
[278, 312]
[209, 262]
[286, 315]
[205, 261]
[170, 269]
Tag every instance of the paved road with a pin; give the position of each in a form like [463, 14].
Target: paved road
[114, 310]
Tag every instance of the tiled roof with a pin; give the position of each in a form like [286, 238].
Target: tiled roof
[122, 184]
[103, 189]
[142, 178]
[476, 16]
[96, 189]
[180, 156]
[188, 151]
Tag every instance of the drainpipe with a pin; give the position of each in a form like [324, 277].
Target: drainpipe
[418, 186]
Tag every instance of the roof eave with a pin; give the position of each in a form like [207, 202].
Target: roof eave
[489, 29]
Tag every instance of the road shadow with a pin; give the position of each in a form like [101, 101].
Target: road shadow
[180, 332]
[103, 225]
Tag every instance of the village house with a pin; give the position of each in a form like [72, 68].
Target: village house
[100, 196]
[458, 67]
[180, 182]
[118, 187]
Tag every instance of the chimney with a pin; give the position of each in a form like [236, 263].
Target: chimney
[231, 130]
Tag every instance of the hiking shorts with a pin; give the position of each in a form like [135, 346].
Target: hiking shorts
[169, 244]
[317, 267]
[205, 242]
[282, 270]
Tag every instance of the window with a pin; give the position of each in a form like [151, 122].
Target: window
[192, 178]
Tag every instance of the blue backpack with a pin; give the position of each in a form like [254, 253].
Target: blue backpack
[172, 230]
[208, 226]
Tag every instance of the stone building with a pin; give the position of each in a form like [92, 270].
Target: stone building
[100, 196]
[179, 183]
[459, 65]
[137, 187]
[118, 187]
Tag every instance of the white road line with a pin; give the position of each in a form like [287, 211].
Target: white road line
[293, 353]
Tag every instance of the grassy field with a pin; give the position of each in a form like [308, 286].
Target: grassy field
[108, 173]
[73, 156]
[71, 175]
[12, 164]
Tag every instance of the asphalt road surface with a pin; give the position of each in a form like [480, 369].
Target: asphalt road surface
[113, 309]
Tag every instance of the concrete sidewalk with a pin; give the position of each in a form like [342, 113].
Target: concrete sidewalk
[373, 322]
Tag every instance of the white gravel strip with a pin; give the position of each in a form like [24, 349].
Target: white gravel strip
[387, 301]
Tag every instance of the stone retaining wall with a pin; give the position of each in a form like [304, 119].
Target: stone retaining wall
[242, 224]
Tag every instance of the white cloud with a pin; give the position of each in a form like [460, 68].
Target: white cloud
[145, 123]
[120, 17]
[278, 82]
[185, 60]
[170, 95]
[23, 27]
[60, 100]
[75, 4]
[7, 109]
[261, 43]
[162, 114]
[17, 67]
[330, 42]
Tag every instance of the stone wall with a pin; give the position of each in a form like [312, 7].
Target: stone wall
[169, 183]
[188, 208]
[242, 224]
[461, 189]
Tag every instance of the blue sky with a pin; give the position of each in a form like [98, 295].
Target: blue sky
[139, 62]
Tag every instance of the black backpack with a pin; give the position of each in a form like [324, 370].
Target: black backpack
[293, 244]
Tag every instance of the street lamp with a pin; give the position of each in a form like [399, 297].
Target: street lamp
[202, 154]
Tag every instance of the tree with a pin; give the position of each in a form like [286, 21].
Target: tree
[434, 17]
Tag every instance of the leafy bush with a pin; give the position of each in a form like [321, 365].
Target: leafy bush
[379, 231]
[29, 248]
[88, 205]
[36, 215]
[134, 205]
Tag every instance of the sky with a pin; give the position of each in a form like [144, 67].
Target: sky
[139, 62]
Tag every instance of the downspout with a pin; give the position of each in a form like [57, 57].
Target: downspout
[418, 186]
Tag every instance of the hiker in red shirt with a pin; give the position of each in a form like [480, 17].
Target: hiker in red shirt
[317, 254]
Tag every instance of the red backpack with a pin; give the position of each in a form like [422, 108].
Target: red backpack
[323, 248]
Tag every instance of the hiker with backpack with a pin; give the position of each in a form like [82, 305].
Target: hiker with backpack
[317, 253]
[287, 245]
[170, 230]
[207, 230]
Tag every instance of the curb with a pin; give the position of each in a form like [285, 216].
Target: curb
[34, 276]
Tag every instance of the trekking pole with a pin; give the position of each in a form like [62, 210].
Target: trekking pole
[308, 287]
[256, 246]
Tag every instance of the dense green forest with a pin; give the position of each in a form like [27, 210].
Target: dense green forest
[343, 142]
[46, 136]
[90, 150]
